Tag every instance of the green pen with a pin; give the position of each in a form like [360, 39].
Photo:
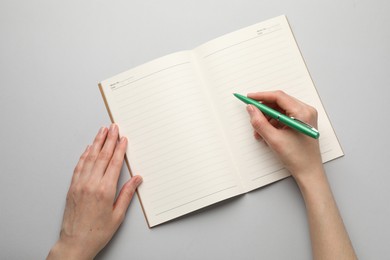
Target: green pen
[289, 121]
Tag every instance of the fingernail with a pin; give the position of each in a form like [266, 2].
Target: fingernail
[123, 139]
[102, 130]
[113, 128]
[138, 180]
[249, 108]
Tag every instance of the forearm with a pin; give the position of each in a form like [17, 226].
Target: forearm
[301, 155]
[329, 237]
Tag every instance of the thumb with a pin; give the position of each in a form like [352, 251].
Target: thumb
[125, 196]
[260, 124]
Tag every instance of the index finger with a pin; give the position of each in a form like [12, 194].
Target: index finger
[280, 98]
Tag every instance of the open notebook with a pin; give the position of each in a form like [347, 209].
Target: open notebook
[189, 137]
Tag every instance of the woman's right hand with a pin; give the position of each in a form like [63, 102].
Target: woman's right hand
[299, 153]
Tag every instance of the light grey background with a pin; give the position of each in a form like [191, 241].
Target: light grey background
[53, 54]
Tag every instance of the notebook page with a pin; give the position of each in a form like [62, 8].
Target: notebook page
[259, 58]
[173, 141]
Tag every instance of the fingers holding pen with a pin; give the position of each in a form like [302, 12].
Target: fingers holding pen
[278, 97]
[260, 124]
[288, 105]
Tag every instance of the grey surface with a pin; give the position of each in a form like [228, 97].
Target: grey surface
[53, 53]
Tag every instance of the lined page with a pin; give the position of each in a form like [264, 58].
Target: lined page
[259, 58]
[174, 143]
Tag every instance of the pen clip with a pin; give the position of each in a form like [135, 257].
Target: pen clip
[306, 124]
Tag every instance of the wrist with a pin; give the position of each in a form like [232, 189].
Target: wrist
[62, 250]
[310, 178]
